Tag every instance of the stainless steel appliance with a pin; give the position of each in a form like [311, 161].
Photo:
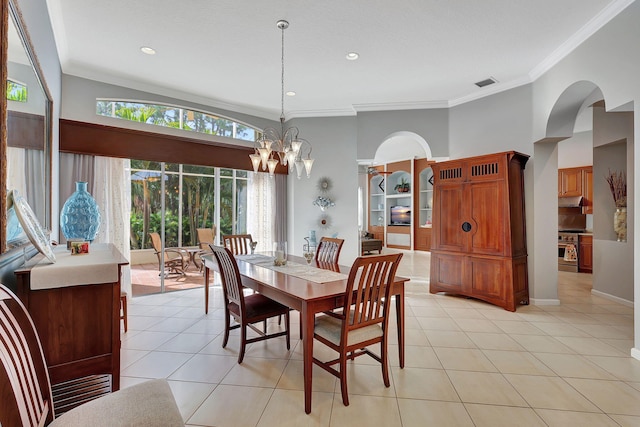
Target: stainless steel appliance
[566, 239]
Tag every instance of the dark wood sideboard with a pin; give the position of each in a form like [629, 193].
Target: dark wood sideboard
[78, 323]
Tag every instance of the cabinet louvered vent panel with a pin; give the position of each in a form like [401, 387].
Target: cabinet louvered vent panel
[486, 169]
[451, 173]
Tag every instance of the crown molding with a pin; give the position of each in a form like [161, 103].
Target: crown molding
[391, 106]
[597, 22]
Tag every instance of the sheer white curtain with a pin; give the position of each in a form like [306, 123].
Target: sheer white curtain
[261, 207]
[112, 191]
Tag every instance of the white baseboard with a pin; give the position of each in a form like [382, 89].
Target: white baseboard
[540, 301]
[635, 353]
[612, 298]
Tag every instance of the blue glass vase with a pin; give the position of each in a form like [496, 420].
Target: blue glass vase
[80, 216]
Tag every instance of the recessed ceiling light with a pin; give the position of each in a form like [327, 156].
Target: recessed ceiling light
[291, 93]
[148, 50]
[352, 56]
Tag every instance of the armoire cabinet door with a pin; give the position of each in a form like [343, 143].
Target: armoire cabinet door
[450, 209]
[488, 218]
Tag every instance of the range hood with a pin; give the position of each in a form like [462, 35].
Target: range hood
[570, 202]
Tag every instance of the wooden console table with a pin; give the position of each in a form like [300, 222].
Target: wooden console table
[75, 306]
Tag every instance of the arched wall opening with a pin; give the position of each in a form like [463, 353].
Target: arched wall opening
[612, 144]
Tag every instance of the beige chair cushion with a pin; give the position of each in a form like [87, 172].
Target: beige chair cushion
[329, 328]
[148, 404]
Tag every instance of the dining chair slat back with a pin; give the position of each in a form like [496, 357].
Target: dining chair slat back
[329, 250]
[246, 309]
[238, 244]
[364, 320]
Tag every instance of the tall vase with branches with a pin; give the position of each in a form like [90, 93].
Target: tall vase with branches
[618, 186]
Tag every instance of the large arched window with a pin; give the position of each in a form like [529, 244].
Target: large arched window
[177, 117]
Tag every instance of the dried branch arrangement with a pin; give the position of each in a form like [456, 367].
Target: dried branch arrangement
[618, 186]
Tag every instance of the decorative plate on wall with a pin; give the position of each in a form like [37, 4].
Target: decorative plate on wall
[324, 184]
[32, 226]
[324, 222]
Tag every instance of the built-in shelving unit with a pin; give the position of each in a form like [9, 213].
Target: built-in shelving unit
[401, 215]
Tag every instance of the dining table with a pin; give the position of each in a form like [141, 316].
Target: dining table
[310, 289]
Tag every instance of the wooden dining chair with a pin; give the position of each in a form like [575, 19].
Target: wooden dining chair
[25, 387]
[238, 244]
[245, 309]
[175, 259]
[364, 320]
[328, 250]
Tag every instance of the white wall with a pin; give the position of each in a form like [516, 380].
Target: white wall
[576, 151]
[334, 150]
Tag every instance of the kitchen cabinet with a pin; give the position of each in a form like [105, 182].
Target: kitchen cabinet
[478, 236]
[570, 182]
[587, 190]
[573, 182]
[585, 253]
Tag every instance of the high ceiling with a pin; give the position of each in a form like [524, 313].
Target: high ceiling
[413, 53]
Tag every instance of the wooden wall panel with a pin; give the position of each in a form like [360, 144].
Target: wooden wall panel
[100, 140]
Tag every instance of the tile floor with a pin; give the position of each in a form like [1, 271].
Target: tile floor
[467, 364]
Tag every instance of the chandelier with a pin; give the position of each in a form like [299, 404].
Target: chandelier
[285, 144]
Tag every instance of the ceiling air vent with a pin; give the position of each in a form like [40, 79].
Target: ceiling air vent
[486, 82]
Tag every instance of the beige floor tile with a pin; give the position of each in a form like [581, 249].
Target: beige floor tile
[433, 332]
[492, 341]
[256, 372]
[606, 331]
[415, 357]
[484, 387]
[189, 396]
[464, 359]
[367, 380]
[429, 311]
[292, 378]
[416, 383]
[464, 313]
[156, 364]
[438, 323]
[556, 329]
[541, 344]
[477, 325]
[613, 397]
[232, 406]
[521, 328]
[503, 416]
[516, 362]
[172, 325]
[555, 418]
[573, 365]
[205, 368]
[550, 393]
[449, 339]
[370, 410]
[624, 346]
[590, 346]
[187, 343]
[286, 409]
[146, 340]
[626, 420]
[624, 368]
[127, 357]
[420, 413]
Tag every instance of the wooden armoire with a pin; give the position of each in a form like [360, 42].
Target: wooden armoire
[479, 246]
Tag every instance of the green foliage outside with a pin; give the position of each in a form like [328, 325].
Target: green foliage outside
[167, 116]
[16, 91]
[198, 203]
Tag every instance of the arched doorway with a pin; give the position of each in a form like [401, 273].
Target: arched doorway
[612, 145]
